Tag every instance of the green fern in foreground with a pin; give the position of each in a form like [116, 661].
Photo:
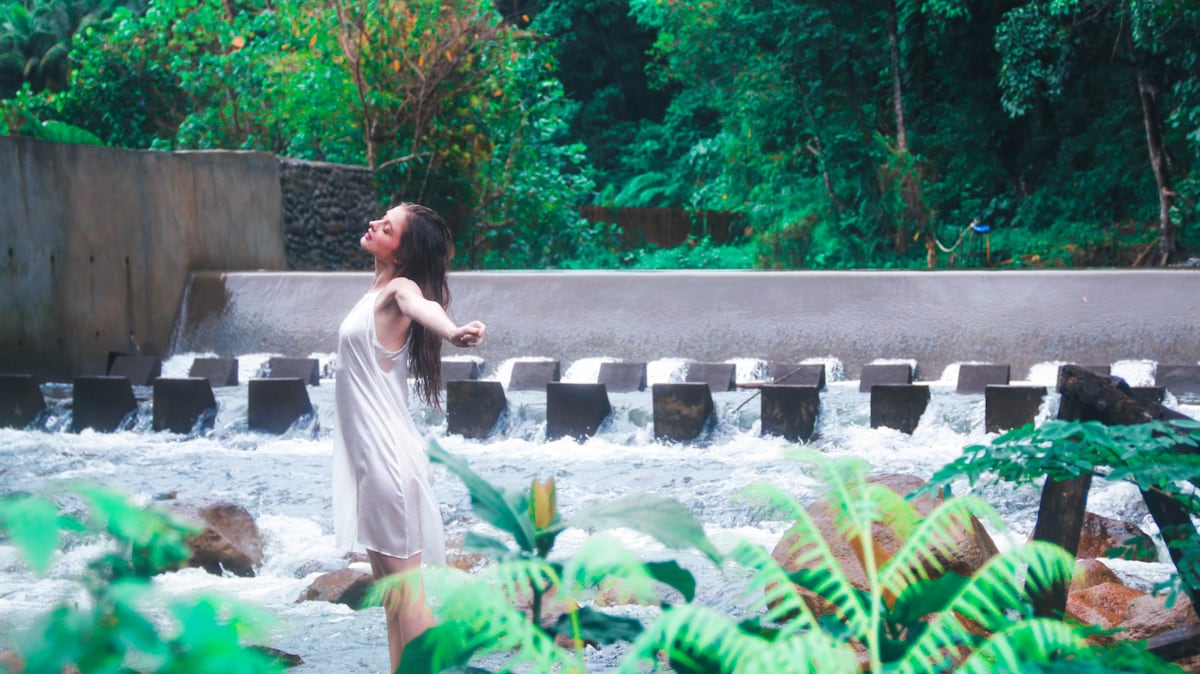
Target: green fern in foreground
[913, 616]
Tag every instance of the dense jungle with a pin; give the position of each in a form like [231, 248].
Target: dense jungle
[887, 134]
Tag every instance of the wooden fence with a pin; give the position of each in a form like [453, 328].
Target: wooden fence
[666, 227]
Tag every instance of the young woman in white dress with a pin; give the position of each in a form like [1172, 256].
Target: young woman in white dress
[382, 495]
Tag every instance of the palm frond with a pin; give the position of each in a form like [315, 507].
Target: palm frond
[988, 599]
[812, 551]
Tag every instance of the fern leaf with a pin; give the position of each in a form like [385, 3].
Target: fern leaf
[997, 588]
[785, 605]
[482, 610]
[515, 577]
[812, 551]
[695, 634]
[603, 560]
[807, 653]
[926, 549]
[1026, 642]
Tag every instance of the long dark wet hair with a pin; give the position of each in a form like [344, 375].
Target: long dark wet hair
[424, 258]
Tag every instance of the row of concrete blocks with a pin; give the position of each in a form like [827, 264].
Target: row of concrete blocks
[682, 412]
[534, 375]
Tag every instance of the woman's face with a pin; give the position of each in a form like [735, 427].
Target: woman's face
[383, 236]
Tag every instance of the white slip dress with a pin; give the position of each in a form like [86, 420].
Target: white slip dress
[382, 481]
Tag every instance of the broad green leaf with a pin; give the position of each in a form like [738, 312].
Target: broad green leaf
[439, 648]
[676, 576]
[662, 518]
[599, 627]
[488, 502]
[31, 523]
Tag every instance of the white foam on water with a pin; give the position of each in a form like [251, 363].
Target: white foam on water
[284, 482]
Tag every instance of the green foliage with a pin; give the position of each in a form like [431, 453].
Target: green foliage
[911, 617]
[1156, 456]
[124, 624]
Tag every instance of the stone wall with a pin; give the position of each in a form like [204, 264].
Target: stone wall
[325, 210]
[96, 245]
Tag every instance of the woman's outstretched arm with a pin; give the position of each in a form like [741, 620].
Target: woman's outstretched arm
[412, 303]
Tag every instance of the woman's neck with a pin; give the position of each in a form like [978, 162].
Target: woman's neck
[384, 273]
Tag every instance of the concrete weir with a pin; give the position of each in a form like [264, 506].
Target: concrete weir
[934, 319]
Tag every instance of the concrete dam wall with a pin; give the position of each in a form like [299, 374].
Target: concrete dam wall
[935, 318]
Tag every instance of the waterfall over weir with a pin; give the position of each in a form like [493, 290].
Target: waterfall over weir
[934, 321]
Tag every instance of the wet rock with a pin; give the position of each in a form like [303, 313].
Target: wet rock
[347, 586]
[1148, 615]
[1114, 539]
[1091, 572]
[281, 657]
[970, 551]
[1106, 605]
[230, 541]
[11, 662]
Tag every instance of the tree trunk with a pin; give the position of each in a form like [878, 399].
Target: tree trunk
[897, 89]
[1148, 92]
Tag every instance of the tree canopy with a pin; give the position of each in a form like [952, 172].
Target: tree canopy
[856, 133]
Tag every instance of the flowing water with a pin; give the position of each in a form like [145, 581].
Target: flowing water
[284, 482]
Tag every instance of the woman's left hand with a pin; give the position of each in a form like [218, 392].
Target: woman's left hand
[468, 335]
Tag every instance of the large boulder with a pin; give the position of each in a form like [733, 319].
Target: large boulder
[972, 548]
[230, 541]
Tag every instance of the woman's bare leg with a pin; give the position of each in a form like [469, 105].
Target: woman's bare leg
[408, 614]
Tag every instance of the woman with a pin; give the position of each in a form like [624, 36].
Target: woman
[382, 494]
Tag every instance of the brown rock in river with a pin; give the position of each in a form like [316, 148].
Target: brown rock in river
[229, 542]
[1102, 537]
[347, 586]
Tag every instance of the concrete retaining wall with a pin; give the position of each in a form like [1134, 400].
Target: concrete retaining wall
[936, 318]
[96, 245]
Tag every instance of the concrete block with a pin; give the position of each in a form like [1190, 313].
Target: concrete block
[879, 373]
[719, 376]
[1102, 370]
[179, 403]
[975, 377]
[457, 370]
[101, 403]
[790, 411]
[473, 407]
[276, 403]
[21, 400]
[139, 370]
[1007, 407]
[898, 406]
[1183, 381]
[533, 375]
[623, 377]
[575, 410]
[1148, 395]
[218, 371]
[682, 412]
[307, 370]
[796, 374]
